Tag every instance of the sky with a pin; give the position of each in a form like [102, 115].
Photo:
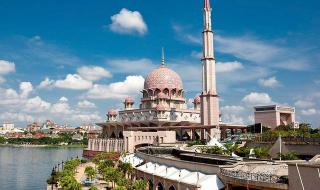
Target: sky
[71, 61]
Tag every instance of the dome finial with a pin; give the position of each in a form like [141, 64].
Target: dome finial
[162, 60]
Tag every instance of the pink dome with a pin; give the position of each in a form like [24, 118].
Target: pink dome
[161, 107]
[197, 100]
[162, 78]
[162, 95]
[112, 112]
[129, 99]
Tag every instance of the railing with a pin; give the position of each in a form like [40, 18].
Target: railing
[294, 140]
[107, 145]
[261, 177]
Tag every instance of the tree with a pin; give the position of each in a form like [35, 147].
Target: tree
[90, 172]
[103, 164]
[140, 185]
[93, 188]
[125, 168]
[68, 182]
[119, 188]
[230, 148]
[213, 150]
[111, 175]
[289, 156]
[261, 152]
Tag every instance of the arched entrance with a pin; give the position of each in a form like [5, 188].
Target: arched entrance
[186, 136]
[150, 185]
[160, 186]
[172, 187]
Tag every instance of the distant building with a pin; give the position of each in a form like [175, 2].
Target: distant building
[274, 115]
[77, 137]
[34, 127]
[8, 126]
[87, 127]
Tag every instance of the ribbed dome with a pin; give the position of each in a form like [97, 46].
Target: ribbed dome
[129, 99]
[162, 78]
[197, 100]
[113, 112]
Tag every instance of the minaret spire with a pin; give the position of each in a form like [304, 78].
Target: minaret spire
[207, 4]
[209, 96]
[162, 57]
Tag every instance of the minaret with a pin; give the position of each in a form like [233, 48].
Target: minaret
[209, 96]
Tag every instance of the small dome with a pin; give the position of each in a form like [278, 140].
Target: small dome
[162, 78]
[161, 107]
[129, 99]
[162, 95]
[112, 112]
[197, 100]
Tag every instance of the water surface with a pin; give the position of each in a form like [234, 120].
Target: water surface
[27, 168]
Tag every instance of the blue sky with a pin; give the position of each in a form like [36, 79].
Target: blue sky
[70, 61]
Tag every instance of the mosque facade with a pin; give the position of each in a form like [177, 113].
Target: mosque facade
[163, 116]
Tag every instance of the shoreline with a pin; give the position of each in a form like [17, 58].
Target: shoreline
[42, 146]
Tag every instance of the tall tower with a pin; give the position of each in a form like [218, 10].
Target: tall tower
[209, 96]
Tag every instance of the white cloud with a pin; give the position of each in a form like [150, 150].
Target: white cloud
[184, 36]
[2, 80]
[309, 112]
[262, 53]
[63, 99]
[118, 90]
[46, 83]
[304, 104]
[16, 116]
[232, 114]
[86, 104]
[25, 88]
[232, 118]
[6, 67]
[36, 105]
[223, 67]
[87, 117]
[61, 108]
[128, 22]
[196, 54]
[73, 82]
[271, 82]
[93, 73]
[232, 108]
[256, 98]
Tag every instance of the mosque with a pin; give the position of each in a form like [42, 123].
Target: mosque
[163, 116]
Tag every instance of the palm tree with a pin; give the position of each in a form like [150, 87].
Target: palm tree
[110, 175]
[125, 168]
[90, 172]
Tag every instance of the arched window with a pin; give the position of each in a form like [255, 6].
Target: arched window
[173, 92]
[160, 186]
[166, 91]
[157, 92]
[113, 135]
[120, 135]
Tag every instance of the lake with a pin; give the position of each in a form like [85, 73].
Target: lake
[27, 168]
